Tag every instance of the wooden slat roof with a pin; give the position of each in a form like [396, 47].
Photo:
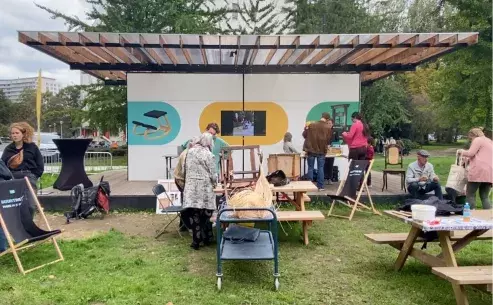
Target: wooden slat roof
[109, 56]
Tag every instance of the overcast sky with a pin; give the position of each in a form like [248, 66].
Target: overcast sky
[19, 60]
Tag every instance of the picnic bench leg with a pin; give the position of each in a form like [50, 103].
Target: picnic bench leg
[449, 258]
[305, 233]
[299, 200]
[406, 249]
[466, 240]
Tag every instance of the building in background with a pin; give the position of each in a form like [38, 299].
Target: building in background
[14, 87]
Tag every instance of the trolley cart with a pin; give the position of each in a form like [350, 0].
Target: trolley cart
[265, 247]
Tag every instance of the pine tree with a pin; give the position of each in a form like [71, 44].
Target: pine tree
[258, 17]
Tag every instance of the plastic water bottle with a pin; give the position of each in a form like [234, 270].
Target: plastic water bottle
[466, 213]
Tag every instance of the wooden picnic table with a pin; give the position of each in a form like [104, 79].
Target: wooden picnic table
[447, 257]
[465, 233]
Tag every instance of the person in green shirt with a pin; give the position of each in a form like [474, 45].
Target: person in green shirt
[219, 143]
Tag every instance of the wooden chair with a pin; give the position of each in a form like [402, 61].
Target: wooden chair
[348, 193]
[393, 157]
[230, 177]
[16, 221]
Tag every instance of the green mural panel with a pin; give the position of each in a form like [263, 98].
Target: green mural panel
[339, 111]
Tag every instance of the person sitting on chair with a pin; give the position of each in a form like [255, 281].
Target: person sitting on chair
[421, 177]
[287, 145]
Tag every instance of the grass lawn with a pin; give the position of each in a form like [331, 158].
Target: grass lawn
[338, 267]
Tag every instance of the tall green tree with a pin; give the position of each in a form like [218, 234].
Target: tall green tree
[106, 107]
[383, 105]
[137, 16]
[5, 113]
[329, 16]
[257, 17]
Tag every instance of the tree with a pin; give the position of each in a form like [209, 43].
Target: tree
[328, 16]
[131, 16]
[5, 113]
[106, 107]
[66, 107]
[147, 16]
[259, 17]
[382, 105]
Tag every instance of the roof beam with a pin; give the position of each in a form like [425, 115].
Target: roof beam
[307, 52]
[237, 50]
[136, 52]
[289, 52]
[202, 51]
[168, 52]
[400, 56]
[273, 51]
[99, 51]
[368, 78]
[357, 51]
[324, 52]
[372, 53]
[85, 51]
[119, 52]
[185, 52]
[152, 53]
[340, 53]
[255, 51]
[395, 50]
[72, 55]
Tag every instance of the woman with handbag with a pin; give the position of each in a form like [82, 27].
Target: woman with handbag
[480, 173]
[22, 156]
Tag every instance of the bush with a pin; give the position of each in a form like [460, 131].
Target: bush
[118, 152]
[410, 145]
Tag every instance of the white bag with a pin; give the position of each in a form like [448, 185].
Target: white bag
[457, 177]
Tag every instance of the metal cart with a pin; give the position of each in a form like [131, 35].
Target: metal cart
[264, 248]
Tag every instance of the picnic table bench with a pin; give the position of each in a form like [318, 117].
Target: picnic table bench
[479, 276]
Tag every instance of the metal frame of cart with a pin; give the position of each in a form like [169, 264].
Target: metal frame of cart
[266, 247]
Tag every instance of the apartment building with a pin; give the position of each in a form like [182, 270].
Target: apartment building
[14, 87]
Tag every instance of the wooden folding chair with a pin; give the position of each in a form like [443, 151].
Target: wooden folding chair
[358, 171]
[16, 221]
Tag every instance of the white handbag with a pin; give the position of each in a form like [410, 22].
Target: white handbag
[457, 177]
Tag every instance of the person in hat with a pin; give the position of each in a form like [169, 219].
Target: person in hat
[421, 177]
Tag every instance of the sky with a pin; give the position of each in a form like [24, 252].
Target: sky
[19, 60]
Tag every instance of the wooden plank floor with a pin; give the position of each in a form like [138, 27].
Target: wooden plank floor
[121, 187]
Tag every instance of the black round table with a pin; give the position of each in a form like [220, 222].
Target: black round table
[72, 152]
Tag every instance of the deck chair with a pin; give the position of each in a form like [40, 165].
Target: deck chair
[170, 211]
[348, 194]
[16, 221]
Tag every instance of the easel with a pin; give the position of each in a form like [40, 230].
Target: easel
[345, 198]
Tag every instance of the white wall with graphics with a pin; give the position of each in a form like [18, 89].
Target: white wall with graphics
[193, 100]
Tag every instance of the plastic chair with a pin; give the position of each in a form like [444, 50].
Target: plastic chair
[16, 221]
[172, 212]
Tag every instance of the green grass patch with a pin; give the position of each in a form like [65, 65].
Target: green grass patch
[338, 267]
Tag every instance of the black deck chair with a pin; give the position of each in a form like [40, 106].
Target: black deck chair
[16, 221]
[348, 193]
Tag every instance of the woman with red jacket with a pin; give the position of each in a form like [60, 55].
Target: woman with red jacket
[357, 138]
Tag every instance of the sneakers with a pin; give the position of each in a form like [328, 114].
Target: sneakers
[321, 190]
[329, 182]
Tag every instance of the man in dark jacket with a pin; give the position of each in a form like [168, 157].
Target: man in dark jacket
[317, 137]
